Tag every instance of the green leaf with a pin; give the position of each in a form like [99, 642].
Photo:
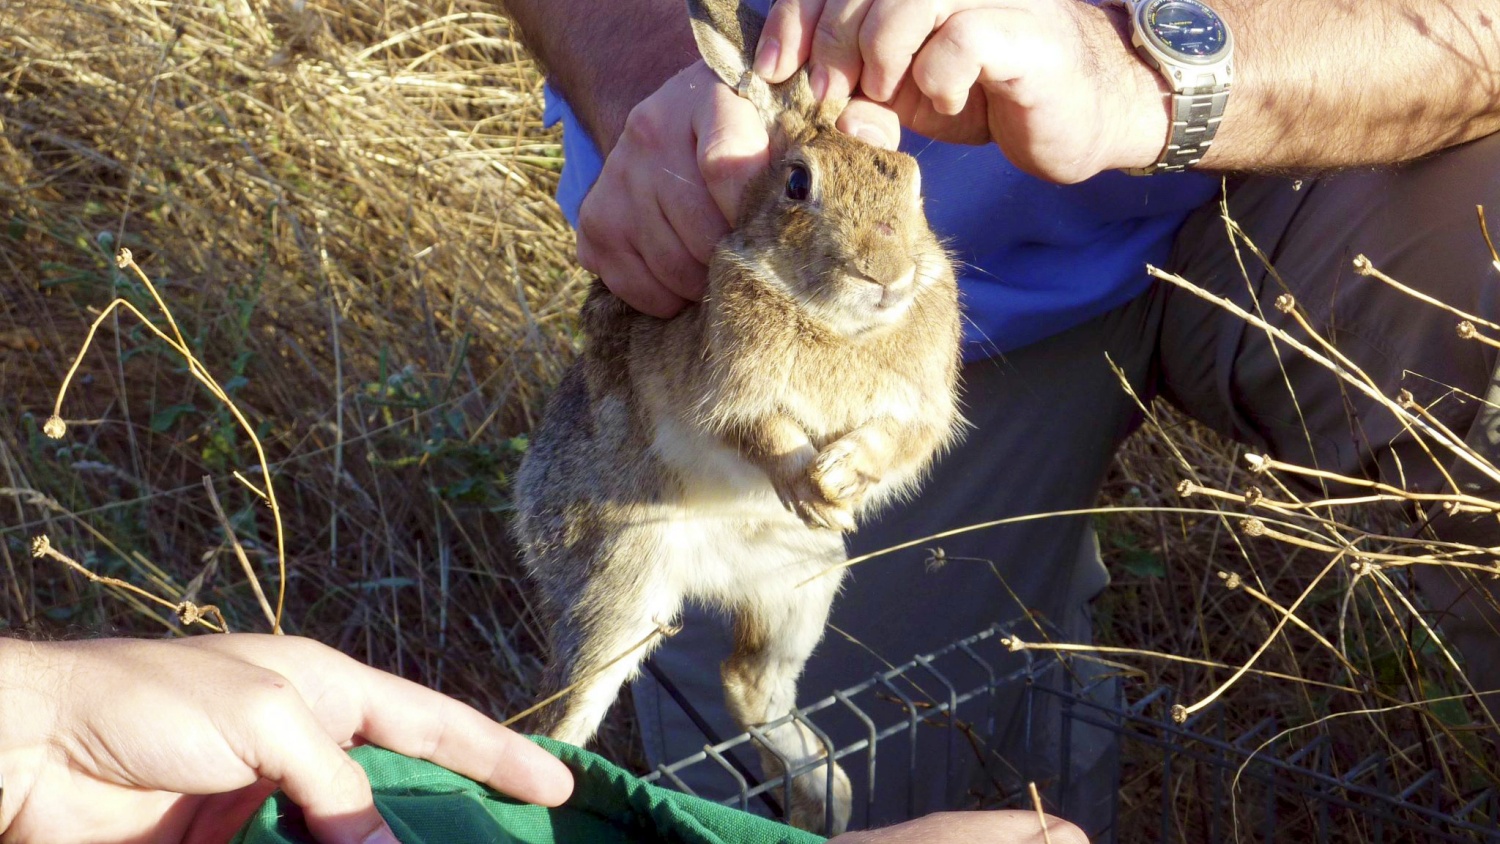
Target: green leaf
[1143, 564]
[383, 582]
[163, 420]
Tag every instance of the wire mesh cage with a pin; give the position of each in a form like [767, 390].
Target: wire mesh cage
[969, 725]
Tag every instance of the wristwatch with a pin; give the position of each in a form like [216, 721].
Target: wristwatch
[1190, 45]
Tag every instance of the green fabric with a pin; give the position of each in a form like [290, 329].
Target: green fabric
[426, 804]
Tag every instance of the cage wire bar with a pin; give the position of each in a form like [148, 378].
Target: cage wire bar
[901, 734]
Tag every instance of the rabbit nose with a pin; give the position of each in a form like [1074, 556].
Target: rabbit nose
[878, 253]
[893, 275]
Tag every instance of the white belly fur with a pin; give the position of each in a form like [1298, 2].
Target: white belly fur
[729, 537]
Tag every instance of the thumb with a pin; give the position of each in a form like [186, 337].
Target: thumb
[871, 122]
[733, 147]
[317, 775]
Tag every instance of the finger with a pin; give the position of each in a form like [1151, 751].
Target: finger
[786, 41]
[729, 139]
[279, 737]
[661, 248]
[892, 33]
[874, 123]
[628, 277]
[691, 212]
[835, 61]
[218, 817]
[1012, 825]
[416, 721]
[732, 148]
[383, 709]
[969, 47]
[916, 113]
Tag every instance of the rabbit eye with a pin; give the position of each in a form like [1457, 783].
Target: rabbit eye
[798, 183]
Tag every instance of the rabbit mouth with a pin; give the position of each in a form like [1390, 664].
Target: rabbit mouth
[883, 295]
[865, 302]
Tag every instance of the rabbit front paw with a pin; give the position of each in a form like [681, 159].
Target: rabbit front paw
[803, 497]
[825, 514]
[842, 474]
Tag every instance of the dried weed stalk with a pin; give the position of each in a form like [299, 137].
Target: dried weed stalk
[349, 209]
[55, 427]
[187, 612]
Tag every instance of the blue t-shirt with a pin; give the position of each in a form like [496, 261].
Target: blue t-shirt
[1034, 258]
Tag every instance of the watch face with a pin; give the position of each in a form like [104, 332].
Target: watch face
[1187, 28]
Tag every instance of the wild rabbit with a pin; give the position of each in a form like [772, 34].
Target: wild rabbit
[719, 456]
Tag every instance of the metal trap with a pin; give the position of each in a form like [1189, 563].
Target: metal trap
[937, 733]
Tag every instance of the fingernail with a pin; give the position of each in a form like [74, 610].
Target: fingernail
[819, 82]
[870, 135]
[766, 57]
[383, 835]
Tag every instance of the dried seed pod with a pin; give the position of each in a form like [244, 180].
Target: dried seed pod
[54, 427]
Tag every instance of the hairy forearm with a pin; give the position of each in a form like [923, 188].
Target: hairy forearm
[1321, 85]
[1318, 85]
[604, 57]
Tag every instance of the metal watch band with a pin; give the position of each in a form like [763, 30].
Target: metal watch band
[1196, 112]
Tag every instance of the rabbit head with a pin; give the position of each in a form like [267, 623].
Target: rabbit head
[835, 222]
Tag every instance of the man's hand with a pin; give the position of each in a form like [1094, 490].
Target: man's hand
[668, 190]
[1011, 826]
[1055, 83]
[133, 740]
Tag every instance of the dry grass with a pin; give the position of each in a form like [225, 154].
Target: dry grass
[1323, 598]
[348, 208]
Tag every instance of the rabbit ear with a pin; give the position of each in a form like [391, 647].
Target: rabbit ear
[727, 32]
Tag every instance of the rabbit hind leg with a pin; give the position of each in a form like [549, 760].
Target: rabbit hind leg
[774, 636]
[602, 633]
[587, 678]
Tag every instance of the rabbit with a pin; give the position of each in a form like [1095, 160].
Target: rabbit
[720, 456]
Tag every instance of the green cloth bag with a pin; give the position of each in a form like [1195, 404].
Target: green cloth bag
[426, 804]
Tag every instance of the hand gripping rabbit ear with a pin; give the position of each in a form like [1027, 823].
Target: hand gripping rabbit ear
[727, 32]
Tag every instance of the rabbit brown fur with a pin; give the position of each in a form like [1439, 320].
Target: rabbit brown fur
[718, 456]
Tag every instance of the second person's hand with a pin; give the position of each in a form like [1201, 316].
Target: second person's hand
[668, 190]
[1054, 83]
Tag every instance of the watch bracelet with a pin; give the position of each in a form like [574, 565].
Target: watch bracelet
[1196, 113]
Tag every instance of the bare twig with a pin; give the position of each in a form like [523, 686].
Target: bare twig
[239, 551]
[188, 612]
